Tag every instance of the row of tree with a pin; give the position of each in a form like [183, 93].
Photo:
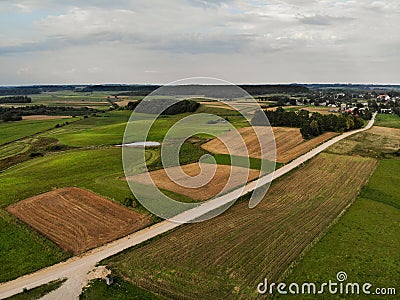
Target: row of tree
[16, 99]
[311, 125]
[163, 106]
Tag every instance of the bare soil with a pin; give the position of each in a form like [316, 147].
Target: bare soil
[289, 143]
[76, 219]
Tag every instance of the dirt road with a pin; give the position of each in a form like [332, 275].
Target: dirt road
[76, 268]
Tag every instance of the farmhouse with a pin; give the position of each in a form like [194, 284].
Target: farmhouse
[386, 111]
[384, 97]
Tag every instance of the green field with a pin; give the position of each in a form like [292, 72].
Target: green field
[386, 120]
[241, 161]
[365, 243]
[109, 128]
[70, 98]
[12, 131]
[23, 250]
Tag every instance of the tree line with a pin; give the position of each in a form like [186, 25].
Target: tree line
[15, 113]
[311, 125]
[16, 99]
[163, 107]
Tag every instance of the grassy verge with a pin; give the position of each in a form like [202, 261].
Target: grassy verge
[242, 161]
[119, 290]
[38, 292]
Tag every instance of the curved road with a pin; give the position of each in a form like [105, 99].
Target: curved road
[76, 268]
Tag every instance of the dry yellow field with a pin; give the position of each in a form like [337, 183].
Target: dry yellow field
[77, 220]
[44, 117]
[214, 179]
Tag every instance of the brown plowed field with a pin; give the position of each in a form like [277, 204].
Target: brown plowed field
[226, 257]
[44, 117]
[289, 143]
[222, 181]
[77, 220]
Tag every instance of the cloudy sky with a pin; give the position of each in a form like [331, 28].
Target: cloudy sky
[159, 41]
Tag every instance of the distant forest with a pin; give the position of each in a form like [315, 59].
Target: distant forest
[16, 99]
[163, 107]
[16, 113]
[217, 91]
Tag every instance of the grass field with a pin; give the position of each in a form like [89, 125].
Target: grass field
[70, 98]
[385, 120]
[23, 250]
[365, 242]
[247, 245]
[109, 128]
[12, 131]
[241, 161]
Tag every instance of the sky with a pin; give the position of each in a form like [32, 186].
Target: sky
[159, 41]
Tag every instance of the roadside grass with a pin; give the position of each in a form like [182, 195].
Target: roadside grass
[386, 120]
[12, 131]
[242, 161]
[119, 290]
[365, 241]
[38, 292]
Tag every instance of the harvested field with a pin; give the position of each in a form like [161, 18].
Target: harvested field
[322, 110]
[375, 142]
[222, 180]
[77, 220]
[123, 102]
[217, 104]
[386, 131]
[44, 117]
[248, 245]
[289, 143]
[245, 107]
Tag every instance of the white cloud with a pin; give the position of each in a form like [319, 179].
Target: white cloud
[189, 37]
